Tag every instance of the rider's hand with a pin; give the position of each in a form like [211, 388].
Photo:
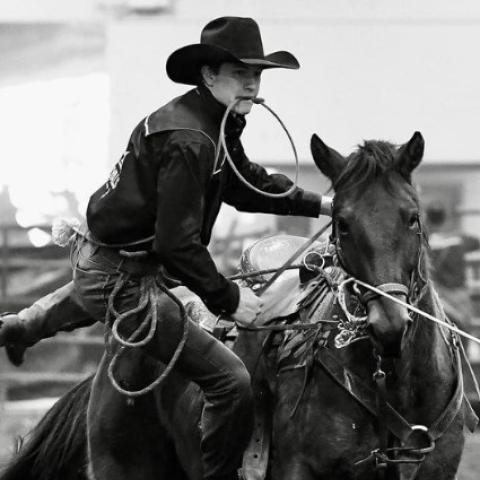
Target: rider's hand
[248, 308]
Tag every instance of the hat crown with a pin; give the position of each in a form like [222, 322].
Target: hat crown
[239, 36]
[225, 39]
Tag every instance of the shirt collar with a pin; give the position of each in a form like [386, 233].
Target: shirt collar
[235, 122]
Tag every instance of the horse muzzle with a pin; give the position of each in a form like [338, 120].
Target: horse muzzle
[388, 324]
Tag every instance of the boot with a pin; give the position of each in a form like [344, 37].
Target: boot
[11, 331]
[58, 311]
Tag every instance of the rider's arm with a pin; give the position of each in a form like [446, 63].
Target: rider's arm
[183, 177]
[300, 202]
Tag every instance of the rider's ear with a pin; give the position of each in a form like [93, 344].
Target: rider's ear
[410, 155]
[328, 160]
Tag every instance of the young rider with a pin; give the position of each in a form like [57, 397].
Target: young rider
[167, 189]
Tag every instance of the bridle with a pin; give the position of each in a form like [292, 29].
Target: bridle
[412, 292]
[386, 454]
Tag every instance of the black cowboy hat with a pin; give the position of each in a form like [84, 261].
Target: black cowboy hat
[225, 39]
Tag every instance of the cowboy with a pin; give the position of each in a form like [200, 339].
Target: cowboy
[154, 216]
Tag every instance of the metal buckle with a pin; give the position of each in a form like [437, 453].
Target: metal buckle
[431, 441]
[315, 267]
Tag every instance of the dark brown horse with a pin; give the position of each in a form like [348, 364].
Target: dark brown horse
[388, 403]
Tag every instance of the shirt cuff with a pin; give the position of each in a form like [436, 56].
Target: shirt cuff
[326, 205]
[226, 301]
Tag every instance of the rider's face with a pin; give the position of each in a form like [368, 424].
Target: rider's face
[231, 81]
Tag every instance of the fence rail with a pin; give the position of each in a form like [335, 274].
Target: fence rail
[17, 254]
[19, 378]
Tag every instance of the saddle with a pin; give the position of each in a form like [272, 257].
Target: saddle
[284, 298]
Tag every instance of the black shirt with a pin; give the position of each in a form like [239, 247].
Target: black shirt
[165, 186]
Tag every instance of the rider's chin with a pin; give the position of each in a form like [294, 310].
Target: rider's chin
[244, 107]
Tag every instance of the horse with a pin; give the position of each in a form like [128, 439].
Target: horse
[359, 388]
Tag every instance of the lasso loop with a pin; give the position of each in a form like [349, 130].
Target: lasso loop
[149, 297]
[222, 142]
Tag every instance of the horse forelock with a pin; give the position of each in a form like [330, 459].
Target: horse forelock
[372, 160]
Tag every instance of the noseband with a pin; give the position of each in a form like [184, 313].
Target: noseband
[396, 289]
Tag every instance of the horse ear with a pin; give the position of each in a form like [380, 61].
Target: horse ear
[328, 160]
[410, 155]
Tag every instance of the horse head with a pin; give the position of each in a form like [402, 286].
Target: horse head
[377, 229]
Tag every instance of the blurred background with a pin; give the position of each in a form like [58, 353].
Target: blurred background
[76, 77]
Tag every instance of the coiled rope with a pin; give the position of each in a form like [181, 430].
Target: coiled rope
[149, 297]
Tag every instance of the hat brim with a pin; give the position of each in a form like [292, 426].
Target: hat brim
[183, 65]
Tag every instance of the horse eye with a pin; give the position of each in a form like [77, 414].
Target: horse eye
[413, 221]
[342, 227]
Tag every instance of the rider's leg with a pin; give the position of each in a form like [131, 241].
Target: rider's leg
[57, 311]
[227, 416]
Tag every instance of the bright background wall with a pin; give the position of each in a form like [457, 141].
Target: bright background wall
[370, 69]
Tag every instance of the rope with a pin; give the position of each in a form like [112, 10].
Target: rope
[258, 273]
[453, 328]
[288, 326]
[223, 143]
[341, 296]
[148, 298]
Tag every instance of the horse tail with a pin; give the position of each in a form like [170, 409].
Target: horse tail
[57, 447]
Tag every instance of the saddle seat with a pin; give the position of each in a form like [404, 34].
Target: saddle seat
[283, 297]
[270, 253]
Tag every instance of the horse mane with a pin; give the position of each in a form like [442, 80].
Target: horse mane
[372, 160]
[56, 442]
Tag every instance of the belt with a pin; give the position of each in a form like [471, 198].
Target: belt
[113, 258]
